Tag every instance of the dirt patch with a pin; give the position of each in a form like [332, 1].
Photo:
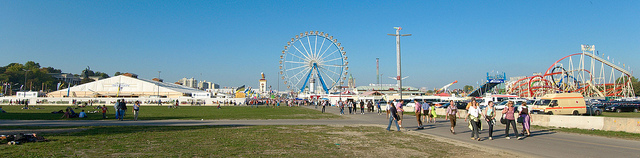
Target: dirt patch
[370, 141]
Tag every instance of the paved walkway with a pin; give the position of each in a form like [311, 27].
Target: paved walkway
[540, 144]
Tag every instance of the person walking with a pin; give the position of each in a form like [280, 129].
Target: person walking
[117, 108]
[370, 106]
[509, 113]
[418, 112]
[393, 117]
[104, 111]
[526, 119]
[388, 108]
[349, 105]
[362, 107]
[324, 104]
[432, 111]
[341, 105]
[473, 114]
[123, 109]
[378, 106]
[425, 112]
[452, 114]
[489, 115]
[400, 111]
[136, 109]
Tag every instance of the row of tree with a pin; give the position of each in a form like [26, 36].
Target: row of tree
[31, 76]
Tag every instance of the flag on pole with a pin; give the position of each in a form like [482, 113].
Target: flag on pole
[241, 88]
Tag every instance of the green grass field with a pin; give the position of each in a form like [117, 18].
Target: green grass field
[238, 141]
[162, 113]
[610, 134]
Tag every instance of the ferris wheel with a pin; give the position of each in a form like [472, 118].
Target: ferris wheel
[310, 58]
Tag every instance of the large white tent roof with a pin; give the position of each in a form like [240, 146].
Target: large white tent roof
[128, 85]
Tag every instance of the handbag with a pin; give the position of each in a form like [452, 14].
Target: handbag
[520, 119]
[503, 120]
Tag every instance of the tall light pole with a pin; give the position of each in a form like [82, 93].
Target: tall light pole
[25, 78]
[159, 84]
[380, 84]
[399, 77]
[378, 70]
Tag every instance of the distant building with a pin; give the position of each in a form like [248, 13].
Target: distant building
[352, 82]
[390, 89]
[263, 84]
[207, 85]
[66, 77]
[95, 78]
[189, 82]
[130, 75]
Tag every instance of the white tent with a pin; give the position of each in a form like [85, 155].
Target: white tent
[125, 86]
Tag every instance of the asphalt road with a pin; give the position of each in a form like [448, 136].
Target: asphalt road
[541, 143]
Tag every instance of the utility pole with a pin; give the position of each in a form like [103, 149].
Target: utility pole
[378, 71]
[159, 84]
[25, 79]
[399, 77]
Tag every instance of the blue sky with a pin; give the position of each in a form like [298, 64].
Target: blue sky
[231, 42]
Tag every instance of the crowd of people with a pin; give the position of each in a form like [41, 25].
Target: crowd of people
[426, 112]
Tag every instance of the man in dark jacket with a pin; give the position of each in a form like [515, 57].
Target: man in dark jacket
[123, 108]
[394, 117]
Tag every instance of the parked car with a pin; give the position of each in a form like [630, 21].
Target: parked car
[516, 103]
[442, 104]
[561, 103]
[461, 104]
[593, 110]
[624, 107]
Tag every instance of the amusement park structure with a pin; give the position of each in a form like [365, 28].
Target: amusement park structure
[313, 57]
[492, 81]
[585, 72]
[444, 88]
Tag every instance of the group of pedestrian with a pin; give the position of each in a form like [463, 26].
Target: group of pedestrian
[510, 117]
[120, 107]
[395, 113]
[426, 112]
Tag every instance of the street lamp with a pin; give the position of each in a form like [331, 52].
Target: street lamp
[399, 77]
[380, 83]
[159, 100]
[25, 79]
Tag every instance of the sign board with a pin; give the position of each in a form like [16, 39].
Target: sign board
[201, 95]
[27, 94]
[495, 81]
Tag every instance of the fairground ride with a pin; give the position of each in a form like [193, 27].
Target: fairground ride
[586, 73]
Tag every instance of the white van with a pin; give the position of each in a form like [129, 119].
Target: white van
[561, 103]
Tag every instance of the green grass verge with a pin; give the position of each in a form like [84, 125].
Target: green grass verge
[237, 141]
[610, 134]
[622, 114]
[162, 113]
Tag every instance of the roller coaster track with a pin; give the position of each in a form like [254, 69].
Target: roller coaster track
[608, 63]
